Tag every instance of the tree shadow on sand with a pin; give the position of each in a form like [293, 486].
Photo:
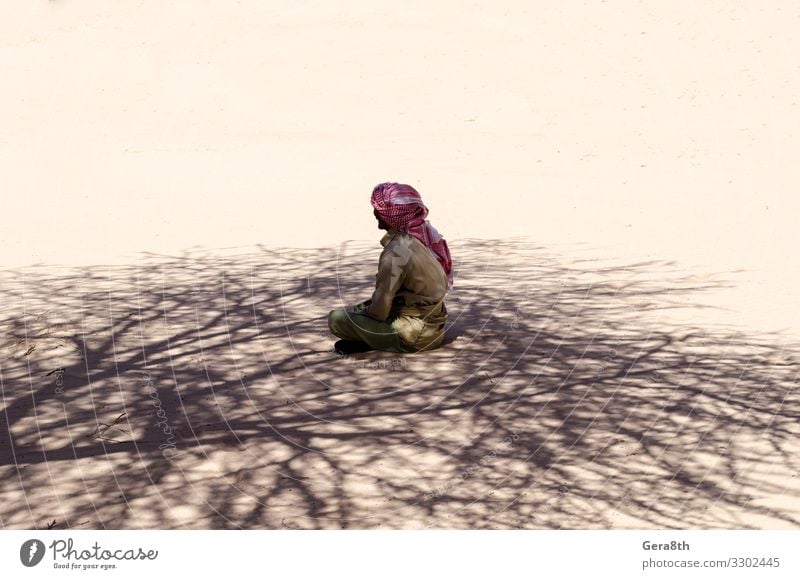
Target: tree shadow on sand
[201, 391]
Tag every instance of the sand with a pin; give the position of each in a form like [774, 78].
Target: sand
[186, 196]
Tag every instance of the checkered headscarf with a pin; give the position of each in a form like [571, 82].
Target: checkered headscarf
[401, 207]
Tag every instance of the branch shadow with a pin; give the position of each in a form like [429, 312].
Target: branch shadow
[201, 391]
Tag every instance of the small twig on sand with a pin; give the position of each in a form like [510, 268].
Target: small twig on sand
[98, 433]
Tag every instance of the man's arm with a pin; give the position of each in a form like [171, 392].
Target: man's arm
[391, 273]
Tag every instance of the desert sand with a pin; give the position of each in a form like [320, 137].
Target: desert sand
[186, 195]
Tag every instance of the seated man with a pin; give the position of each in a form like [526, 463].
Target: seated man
[406, 312]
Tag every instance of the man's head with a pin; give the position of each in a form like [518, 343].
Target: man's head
[397, 206]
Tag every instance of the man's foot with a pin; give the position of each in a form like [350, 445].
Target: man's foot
[345, 347]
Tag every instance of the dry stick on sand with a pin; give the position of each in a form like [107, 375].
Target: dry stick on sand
[98, 433]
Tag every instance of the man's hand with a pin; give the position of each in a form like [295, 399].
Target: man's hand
[359, 308]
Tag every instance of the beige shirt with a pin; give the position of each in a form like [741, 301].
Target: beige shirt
[410, 287]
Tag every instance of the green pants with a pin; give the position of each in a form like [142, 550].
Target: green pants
[350, 325]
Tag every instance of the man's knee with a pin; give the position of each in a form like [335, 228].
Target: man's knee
[335, 320]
